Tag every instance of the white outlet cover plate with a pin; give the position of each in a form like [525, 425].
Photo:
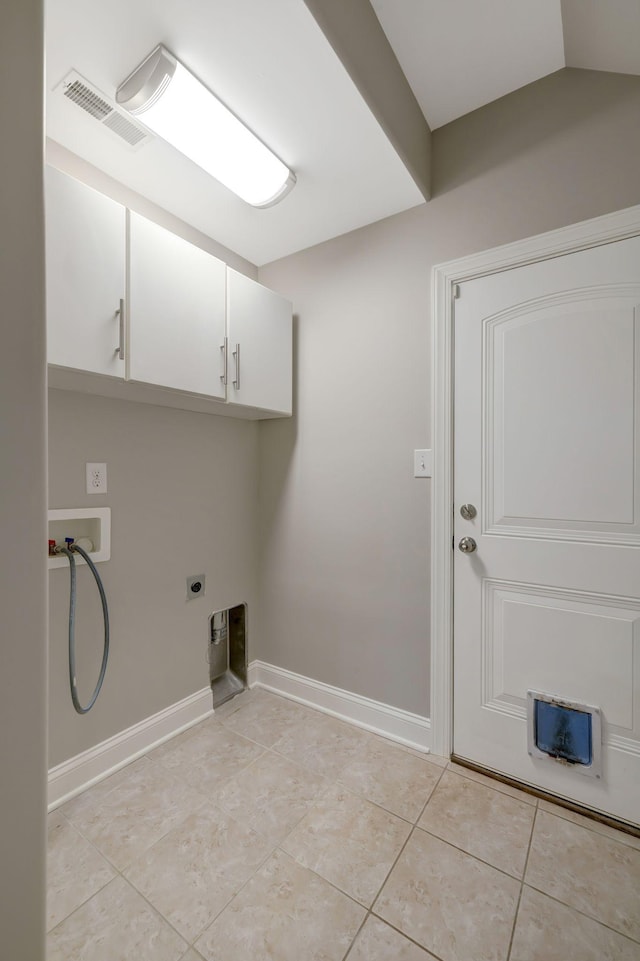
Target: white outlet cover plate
[96, 478]
[422, 463]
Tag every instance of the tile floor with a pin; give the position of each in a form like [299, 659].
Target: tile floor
[272, 832]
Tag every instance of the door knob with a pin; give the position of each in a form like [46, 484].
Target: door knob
[467, 545]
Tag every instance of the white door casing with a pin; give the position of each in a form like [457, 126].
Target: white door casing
[553, 553]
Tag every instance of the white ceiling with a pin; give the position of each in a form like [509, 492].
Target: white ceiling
[461, 54]
[270, 62]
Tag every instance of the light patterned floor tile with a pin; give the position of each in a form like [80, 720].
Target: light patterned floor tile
[493, 783]
[349, 841]
[186, 816]
[454, 905]
[266, 718]
[549, 931]
[140, 810]
[492, 826]
[75, 870]
[117, 924]
[378, 942]
[594, 874]
[393, 778]
[270, 796]
[591, 824]
[322, 744]
[195, 870]
[210, 756]
[284, 913]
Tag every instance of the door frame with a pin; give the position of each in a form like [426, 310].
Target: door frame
[618, 225]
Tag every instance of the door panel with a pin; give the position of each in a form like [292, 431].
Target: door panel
[534, 637]
[553, 367]
[546, 420]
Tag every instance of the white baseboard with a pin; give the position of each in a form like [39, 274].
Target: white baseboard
[409, 729]
[70, 778]
[80, 772]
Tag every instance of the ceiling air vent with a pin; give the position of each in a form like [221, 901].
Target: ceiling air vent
[86, 98]
[125, 129]
[75, 89]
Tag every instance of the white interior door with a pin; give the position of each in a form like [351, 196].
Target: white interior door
[547, 365]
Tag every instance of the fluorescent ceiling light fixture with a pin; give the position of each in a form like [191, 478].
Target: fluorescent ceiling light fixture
[175, 105]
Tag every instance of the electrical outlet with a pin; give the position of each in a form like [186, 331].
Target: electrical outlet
[96, 478]
[195, 586]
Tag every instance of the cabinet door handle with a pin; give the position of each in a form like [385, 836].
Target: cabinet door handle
[224, 347]
[236, 354]
[120, 349]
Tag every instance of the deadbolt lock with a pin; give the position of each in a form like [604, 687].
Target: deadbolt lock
[468, 511]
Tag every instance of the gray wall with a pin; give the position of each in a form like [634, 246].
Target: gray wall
[182, 488]
[22, 505]
[345, 529]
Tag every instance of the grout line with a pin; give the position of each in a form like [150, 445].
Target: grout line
[404, 934]
[426, 803]
[564, 815]
[357, 934]
[389, 872]
[320, 877]
[524, 871]
[77, 908]
[502, 787]
[582, 914]
[104, 856]
[158, 912]
[476, 857]
[558, 900]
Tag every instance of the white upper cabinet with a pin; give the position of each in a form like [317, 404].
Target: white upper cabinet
[85, 264]
[259, 332]
[176, 311]
[166, 321]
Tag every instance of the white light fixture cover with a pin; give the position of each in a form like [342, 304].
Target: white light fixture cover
[175, 105]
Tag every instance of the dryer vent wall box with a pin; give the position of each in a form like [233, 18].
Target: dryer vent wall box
[228, 653]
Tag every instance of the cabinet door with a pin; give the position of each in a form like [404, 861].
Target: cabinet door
[85, 263]
[176, 311]
[259, 329]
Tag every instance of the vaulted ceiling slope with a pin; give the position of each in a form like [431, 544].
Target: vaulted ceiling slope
[459, 55]
[324, 84]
